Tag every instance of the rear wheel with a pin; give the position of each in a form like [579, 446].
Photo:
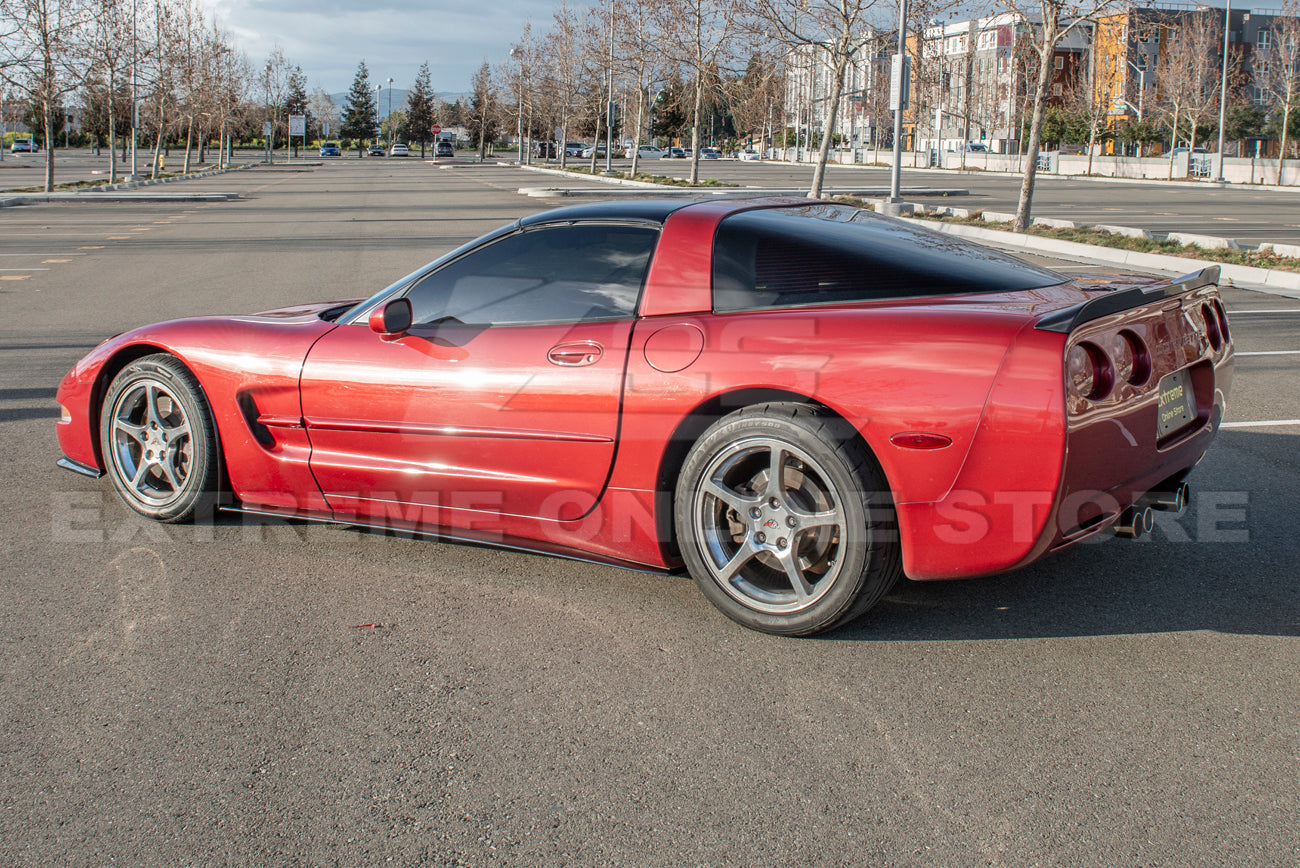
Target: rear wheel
[784, 520]
[158, 440]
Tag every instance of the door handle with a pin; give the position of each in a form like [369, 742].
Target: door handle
[576, 354]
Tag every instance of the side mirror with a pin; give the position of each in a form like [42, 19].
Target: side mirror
[392, 319]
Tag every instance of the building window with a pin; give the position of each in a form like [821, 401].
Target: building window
[1059, 62]
[1264, 40]
[1056, 90]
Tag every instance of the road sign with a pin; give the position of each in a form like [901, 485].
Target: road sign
[435, 129]
[297, 125]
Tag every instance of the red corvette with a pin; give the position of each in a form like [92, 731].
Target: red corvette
[798, 401]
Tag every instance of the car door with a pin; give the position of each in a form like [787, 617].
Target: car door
[502, 399]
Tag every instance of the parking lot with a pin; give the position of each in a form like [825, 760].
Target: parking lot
[270, 692]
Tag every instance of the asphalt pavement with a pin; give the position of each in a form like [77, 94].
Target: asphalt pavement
[279, 693]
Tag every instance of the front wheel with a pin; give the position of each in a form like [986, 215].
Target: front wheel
[158, 440]
[785, 521]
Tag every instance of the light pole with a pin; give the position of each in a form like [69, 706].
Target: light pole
[518, 54]
[390, 116]
[1223, 85]
[268, 127]
[379, 124]
[1142, 87]
[898, 80]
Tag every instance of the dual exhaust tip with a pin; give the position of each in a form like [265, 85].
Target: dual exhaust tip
[1140, 517]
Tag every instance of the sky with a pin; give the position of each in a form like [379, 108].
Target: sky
[328, 38]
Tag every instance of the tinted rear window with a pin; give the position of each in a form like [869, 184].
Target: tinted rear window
[827, 254]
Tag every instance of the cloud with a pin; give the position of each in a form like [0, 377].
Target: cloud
[328, 38]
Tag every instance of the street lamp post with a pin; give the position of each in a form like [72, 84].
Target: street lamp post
[379, 124]
[1142, 87]
[518, 54]
[895, 171]
[1223, 84]
[390, 116]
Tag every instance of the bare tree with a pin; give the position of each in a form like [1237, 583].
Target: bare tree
[107, 49]
[43, 56]
[1056, 19]
[1278, 69]
[834, 32]
[1188, 72]
[698, 37]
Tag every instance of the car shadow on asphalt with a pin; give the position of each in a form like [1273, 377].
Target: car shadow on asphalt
[1227, 564]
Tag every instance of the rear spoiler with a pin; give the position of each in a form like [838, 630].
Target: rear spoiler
[1069, 319]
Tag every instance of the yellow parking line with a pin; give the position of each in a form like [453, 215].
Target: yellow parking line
[162, 222]
[55, 260]
[119, 238]
[140, 229]
[14, 276]
[92, 247]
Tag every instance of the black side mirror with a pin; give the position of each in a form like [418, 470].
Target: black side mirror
[392, 319]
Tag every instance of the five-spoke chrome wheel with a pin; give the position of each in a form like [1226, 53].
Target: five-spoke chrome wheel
[784, 520]
[771, 524]
[157, 439]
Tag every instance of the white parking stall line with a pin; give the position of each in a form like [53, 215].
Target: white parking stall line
[24, 269]
[1269, 424]
[42, 254]
[1232, 313]
[1272, 353]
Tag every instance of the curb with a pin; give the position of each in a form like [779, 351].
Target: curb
[99, 192]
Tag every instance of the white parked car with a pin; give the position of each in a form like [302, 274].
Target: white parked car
[399, 150]
[649, 152]
[750, 154]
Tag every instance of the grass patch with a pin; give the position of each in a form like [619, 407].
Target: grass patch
[1097, 238]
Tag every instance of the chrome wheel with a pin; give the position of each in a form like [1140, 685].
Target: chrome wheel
[152, 444]
[770, 524]
[784, 519]
[158, 440]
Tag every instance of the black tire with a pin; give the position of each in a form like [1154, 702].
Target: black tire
[813, 551]
[158, 440]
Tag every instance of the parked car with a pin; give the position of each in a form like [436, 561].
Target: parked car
[545, 150]
[674, 154]
[330, 149]
[745, 387]
[599, 151]
[24, 146]
[399, 150]
[376, 150]
[710, 154]
[574, 149]
[444, 148]
[649, 152]
[750, 154]
[1177, 152]
[977, 148]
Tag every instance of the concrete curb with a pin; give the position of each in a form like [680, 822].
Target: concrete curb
[104, 193]
[1273, 281]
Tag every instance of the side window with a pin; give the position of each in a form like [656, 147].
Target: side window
[571, 273]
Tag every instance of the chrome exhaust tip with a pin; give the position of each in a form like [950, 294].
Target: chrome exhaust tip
[1173, 500]
[1134, 521]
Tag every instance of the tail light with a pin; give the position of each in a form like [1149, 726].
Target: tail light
[1211, 319]
[1089, 372]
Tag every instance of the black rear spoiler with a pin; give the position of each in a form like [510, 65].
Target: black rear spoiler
[1069, 319]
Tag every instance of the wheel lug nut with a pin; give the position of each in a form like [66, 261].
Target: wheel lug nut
[791, 521]
[774, 503]
[761, 537]
[780, 543]
[755, 512]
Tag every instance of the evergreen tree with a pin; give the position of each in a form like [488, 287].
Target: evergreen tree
[295, 102]
[359, 110]
[419, 104]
